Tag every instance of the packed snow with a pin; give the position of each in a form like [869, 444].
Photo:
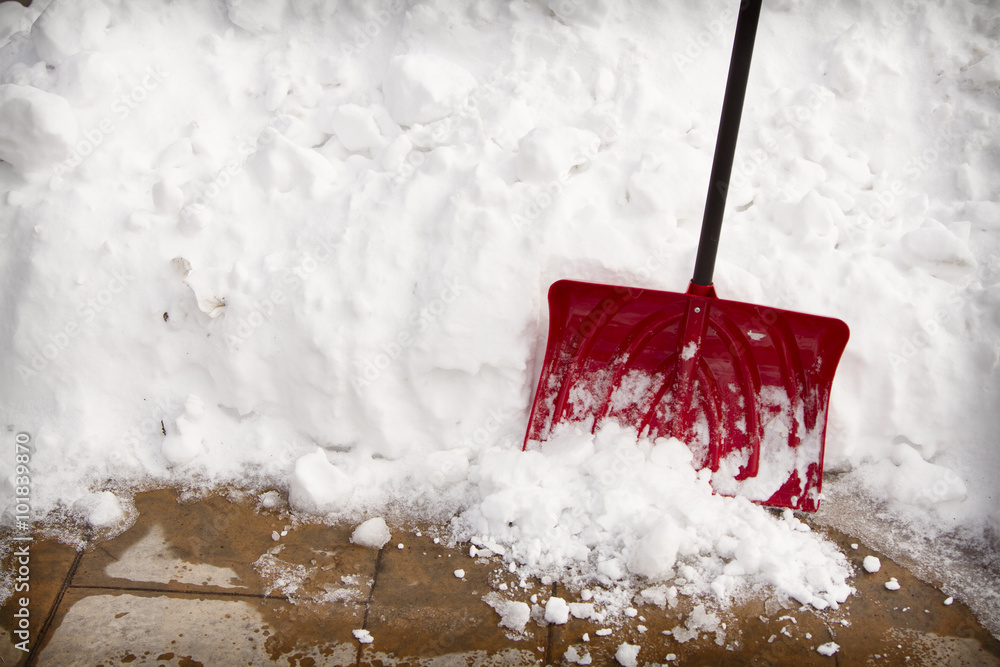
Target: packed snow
[627, 655]
[373, 533]
[828, 648]
[363, 636]
[514, 615]
[303, 248]
[557, 611]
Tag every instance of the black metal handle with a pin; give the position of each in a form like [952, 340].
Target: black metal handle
[725, 144]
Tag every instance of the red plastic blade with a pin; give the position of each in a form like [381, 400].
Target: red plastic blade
[745, 386]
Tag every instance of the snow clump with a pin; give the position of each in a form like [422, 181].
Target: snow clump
[373, 533]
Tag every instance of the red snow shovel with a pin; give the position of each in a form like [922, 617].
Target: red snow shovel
[745, 386]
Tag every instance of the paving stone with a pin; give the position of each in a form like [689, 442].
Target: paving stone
[904, 627]
[216, 544]
[50, 563]
[205, 582]
[422, 613]
[97, 627]
[910, 625]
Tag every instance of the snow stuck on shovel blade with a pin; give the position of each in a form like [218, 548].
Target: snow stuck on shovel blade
[787, 449]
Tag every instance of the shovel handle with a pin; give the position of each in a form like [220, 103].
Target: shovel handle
[725, 144]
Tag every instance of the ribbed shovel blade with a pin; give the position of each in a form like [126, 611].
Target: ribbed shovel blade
[745, 386]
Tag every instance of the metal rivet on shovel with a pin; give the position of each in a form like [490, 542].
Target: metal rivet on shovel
[746, 387]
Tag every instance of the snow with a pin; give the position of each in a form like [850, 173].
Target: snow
[698, 621]
[892, 584]
[422, 88]
[557, 611]
[317, 486]
[63, 31]
[576, 657]
[101, 510]
[872, 564]
[828, 648]
[355, 127]
[37, 128]
[514, 615]
[303, 248]
[373, 533]
[623, 508]
[363, 636]
[627, 655]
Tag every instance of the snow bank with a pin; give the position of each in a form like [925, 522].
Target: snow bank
[37, 129]
[304, 246]
[422, 88]
[317, 486]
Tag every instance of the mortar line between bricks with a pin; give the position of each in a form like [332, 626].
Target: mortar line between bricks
[174, 591]
[50, 617]
[368, 603]
[550, 630]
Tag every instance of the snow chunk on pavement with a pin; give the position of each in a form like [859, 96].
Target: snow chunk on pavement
[574, 656]
[627, 655]
[828, 648]
[37, 129]
[556, 611]
[424, 88]
[513, 615]
[697, 622]
[373, 533]
[317, 486]
[872, 564]
[892, 584]
[363, 636]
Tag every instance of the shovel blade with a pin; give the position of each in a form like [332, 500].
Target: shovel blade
[746, 387]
